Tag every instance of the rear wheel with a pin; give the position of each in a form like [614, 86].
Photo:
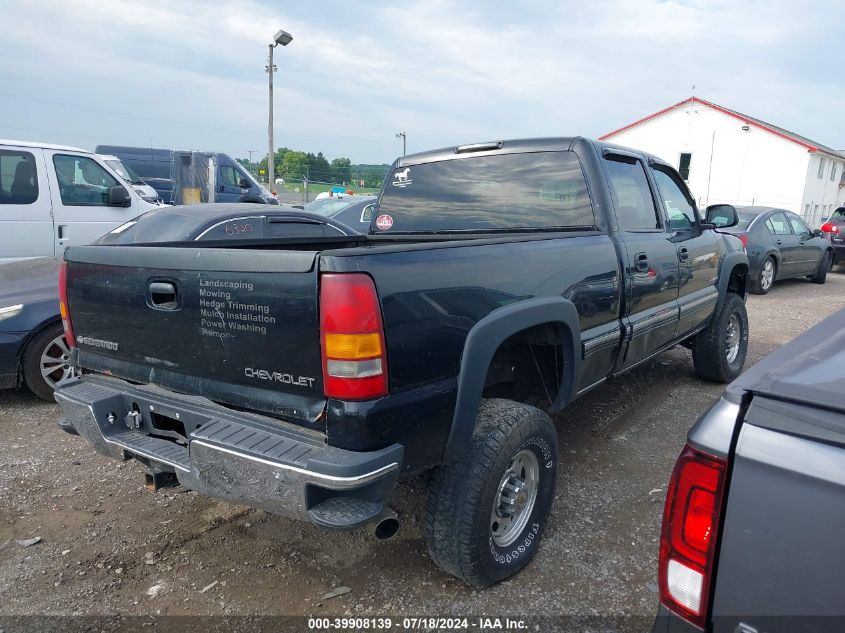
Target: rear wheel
[46, 361]
[487, 511]
[824, 267]
[766, 277]
[718, 352]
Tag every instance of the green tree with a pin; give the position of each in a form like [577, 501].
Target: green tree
[294, 165]
[340, 170]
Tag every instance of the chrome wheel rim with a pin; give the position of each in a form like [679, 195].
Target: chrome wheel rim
[515, 498]
[55, 362]
[767, 275]
[732, 338]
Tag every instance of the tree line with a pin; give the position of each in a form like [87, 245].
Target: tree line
[295, 166]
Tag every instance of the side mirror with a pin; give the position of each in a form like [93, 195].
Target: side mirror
[244, 183]
[117, 196]
[722, 216]
[818, 233]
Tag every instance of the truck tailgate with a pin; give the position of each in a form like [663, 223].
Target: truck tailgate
[237, 326]
[782, 553]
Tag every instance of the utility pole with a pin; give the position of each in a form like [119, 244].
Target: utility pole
[284, 38]
[403, 136]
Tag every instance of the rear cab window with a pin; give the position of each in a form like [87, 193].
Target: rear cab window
[534, 190]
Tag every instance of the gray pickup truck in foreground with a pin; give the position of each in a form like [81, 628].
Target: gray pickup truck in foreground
[754, 526]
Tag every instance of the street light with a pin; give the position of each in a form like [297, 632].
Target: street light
[284, 38]
[403, 136]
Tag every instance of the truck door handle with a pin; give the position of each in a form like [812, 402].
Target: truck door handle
[61, 231]
[222, 188]
[683, 254]
[163, 295]
[778, 241]
[641, 260]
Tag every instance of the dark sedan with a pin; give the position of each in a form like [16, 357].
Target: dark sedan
[780, 245]
[755, 509]
[833, 229]
[32, 344]
[354, 211]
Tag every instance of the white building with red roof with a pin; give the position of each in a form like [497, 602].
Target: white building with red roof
[729, 157]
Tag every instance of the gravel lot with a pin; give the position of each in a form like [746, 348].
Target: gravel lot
[106, 540]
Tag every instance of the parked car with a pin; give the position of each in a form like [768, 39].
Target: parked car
[834, 229]
[33, 348]
[192, 177]
[755, 509]
[127, 173]
[497, 283]
[780, 245]
[52, 196]
[353, 211]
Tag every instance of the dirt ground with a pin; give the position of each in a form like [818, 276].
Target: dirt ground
[107, 542]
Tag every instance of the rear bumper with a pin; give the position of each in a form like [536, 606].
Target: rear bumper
[239, 457]
[839, 251]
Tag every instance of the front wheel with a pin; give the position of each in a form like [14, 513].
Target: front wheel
[719, 351]
[487, 511]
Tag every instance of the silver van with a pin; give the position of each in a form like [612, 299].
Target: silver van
[53, 196]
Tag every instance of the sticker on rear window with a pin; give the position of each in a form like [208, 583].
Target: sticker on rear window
[402, 178]
[384, 222]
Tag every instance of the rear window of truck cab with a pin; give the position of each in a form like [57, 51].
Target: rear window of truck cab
[542, 190]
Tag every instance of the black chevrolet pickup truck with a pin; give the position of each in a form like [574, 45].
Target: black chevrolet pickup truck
[498, 282]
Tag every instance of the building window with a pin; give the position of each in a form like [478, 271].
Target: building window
[807, 211]
[821, 168]
[684, 165]
[832, 171]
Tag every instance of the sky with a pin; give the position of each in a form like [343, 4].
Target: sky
[190, 74]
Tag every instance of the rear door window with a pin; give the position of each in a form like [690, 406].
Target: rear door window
[777, 224]
[500, 192]
[631, 193]
[18, 177]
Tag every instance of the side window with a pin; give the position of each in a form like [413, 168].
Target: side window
[82, 181]
[18, 177]
[634, 204]
[777, 224]
[229, 176]
[798, 226]
[680, 210]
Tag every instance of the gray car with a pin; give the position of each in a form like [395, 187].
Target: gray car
[753, 527]
[780, 245]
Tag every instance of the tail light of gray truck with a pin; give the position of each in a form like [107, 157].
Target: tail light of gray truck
[63, 306]
[688, 539]
[352, 338]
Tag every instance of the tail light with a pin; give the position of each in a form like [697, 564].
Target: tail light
[829, 227]
[743, 237]
[63, 306]
[352, 338]
[688, 540]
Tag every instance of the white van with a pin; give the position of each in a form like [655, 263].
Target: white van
[128, 174]
[52, 196]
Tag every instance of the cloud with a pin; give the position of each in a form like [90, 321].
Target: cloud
[191, 74]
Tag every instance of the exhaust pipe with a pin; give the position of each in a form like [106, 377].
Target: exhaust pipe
[386, 525]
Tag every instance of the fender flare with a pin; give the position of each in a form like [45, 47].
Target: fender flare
[484, 340]
[731, 262]
[251, 199]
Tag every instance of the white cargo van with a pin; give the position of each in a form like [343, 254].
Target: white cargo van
[52, 196]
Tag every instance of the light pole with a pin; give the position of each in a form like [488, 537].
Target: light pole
[284, 38]
[403, 136]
